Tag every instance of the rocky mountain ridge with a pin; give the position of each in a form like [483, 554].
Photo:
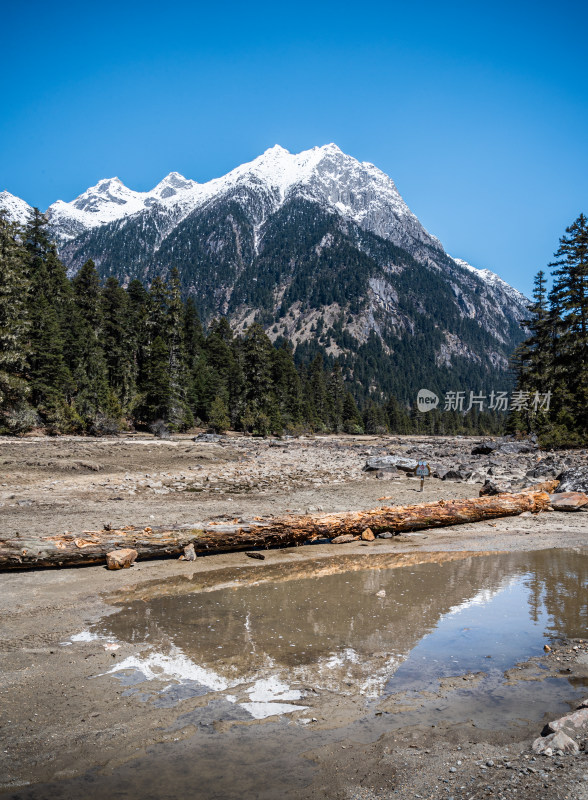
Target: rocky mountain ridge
[319, 247]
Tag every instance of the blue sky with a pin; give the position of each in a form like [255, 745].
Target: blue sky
[478, 111]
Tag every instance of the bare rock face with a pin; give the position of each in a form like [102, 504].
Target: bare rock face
[121, 559]
[569, 501]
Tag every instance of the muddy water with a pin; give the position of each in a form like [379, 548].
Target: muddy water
[344, 647]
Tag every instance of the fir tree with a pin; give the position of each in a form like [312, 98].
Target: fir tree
[15, 414]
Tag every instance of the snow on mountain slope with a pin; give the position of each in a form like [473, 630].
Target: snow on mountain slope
[356, 191]
[16, 209]
[494, 281]
[108, 201]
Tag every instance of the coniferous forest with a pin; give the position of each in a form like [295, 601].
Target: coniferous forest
[85, 356]
[553, 360]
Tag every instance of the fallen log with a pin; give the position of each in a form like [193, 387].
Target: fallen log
[90, 547]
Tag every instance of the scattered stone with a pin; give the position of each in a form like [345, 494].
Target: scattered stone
[386, 535]
[343, 539]
[260, 556]
[121, 559]
[569, 501]
[381, 593]
[368, 535]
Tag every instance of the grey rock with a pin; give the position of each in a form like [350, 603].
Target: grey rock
[451, 474]
[574, 480]
[547, 745]
[485, 448]
[390, 462]
[386, 535]
[189, 553]
[207, 437]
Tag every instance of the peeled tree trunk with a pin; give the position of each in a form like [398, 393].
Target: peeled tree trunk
[68, 549]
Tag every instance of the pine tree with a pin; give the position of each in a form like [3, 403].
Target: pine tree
[336, 397]
[15, 414]
[51, 380]
[219, 419]
[352, 422]
[571, 285]
[95, 403]
[554, 360]
[179, 415]
[118, 342]
[287, 387]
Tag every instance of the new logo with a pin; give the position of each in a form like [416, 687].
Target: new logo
[426, 400]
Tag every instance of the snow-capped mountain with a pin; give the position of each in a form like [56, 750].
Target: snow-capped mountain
[317, 245]
[16, 209]
[356, 191]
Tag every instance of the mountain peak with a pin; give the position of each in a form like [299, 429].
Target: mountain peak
[17, 210]
[277, 149]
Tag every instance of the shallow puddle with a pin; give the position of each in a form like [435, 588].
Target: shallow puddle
[349, 646]
[368, 625]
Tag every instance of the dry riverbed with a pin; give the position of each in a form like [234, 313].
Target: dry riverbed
[77, 722]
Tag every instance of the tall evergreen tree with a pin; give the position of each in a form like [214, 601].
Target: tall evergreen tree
[95, 402]
[15, 414]
[51, 380]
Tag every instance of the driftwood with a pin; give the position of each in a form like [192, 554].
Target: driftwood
[69, 549]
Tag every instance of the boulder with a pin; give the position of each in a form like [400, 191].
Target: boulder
[485, 448]
[569, 501]
[574, 480]
[386, 535]
[450, 474]
[207, 437]
[572, 723]
[390, 462]
[368, 535]
[121, 559]
[343, 539]
[547, 745]
[517, 447]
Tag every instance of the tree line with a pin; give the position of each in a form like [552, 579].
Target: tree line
[83, 355]
[552, 364]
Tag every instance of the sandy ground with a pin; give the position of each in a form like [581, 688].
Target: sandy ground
[58, 720]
